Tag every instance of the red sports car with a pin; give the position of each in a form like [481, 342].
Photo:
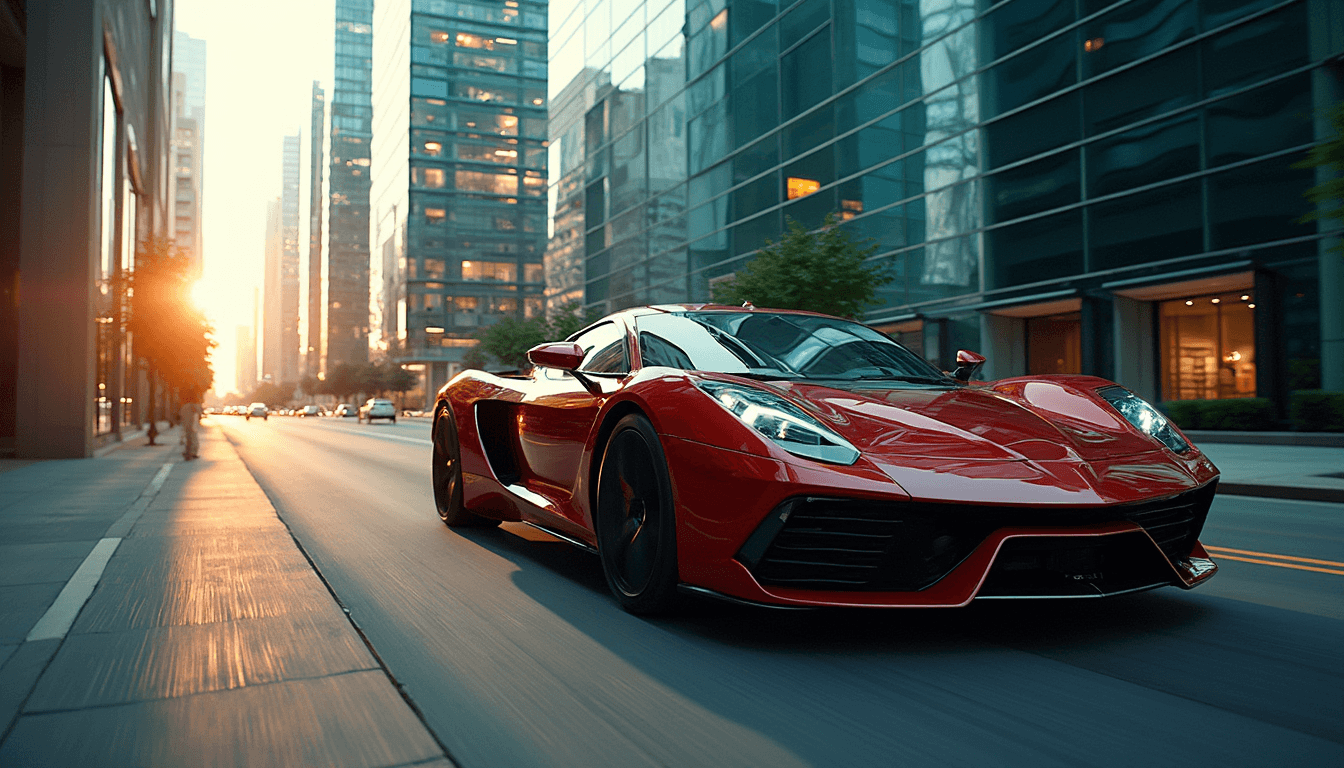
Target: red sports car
[798, 460]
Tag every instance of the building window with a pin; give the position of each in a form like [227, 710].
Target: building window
[801, 187]
[495, 183]
[435, 215]
[498, 271]
[1054, 344]
[435, 269]
[1208, 347]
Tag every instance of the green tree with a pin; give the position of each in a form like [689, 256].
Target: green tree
[475, 358]
[509, 339]
[343, 380]
[823, 271]
[1329, 194]
[170, 336]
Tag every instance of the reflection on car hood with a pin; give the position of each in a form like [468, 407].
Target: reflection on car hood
[971, 423]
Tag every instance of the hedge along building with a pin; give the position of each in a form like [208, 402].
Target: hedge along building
[85, 119]
[1070, 186]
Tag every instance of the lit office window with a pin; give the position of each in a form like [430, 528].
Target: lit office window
[1208, 347]
[802, 187]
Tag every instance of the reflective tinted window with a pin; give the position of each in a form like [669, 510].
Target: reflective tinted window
[776, 345]
[603, 349]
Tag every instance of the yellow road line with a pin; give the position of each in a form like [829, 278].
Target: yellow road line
[1282, 565]
[1276, 557]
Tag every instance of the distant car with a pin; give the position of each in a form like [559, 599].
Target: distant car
[378, 408]
[310, 410]
[258, 409]
[345, 409]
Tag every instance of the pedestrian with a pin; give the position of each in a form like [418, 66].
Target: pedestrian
[191, 421]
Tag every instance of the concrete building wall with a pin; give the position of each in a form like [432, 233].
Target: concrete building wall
[70, 47]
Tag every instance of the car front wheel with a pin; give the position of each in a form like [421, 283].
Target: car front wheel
[636, 527]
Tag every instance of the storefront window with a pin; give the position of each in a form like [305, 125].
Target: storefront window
[1054, 344]
[1208, 347]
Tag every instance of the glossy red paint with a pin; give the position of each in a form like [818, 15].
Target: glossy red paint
[564, 355]
[1031, 442]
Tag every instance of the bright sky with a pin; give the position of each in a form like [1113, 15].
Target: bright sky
[261, 61]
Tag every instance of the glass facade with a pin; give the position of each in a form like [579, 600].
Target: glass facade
[347, 272]
[998, 153]
[460, 167]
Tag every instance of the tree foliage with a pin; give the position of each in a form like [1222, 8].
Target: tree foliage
[169, 333]
[1329, 194]
[823, 271]
[509, 339]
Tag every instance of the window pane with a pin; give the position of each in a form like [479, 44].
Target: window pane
[1261, 121]
[494, 183]
[1038, 249]
[1265, 47]
[1032, 74]
[1135, 30]
[806, 74]
[1159, 86]
[1208, 347]
[1023, 22]
[1144, 155]
[1150, 226]
[1259, 203]
[1034, 187]
[1054, 344]
[1031, 132]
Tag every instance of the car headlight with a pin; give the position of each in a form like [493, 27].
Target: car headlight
[787, 425]
[1144, 417]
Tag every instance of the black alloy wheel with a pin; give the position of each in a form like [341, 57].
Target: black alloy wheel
[636, 526]
[446, 472]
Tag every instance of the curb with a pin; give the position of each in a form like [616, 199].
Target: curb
[1294, 493]
[1308, 439]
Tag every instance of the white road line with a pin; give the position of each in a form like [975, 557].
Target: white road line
[61, 615]
[384, 436]
[124, 523]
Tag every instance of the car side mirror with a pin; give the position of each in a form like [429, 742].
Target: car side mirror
[565, 355]
[968, 363]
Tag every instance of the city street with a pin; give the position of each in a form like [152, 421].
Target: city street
[510, 647]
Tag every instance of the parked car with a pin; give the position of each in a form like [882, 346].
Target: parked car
[378, 408]
[258, 409]
[345, 409]
[794, 459]
[310, 410]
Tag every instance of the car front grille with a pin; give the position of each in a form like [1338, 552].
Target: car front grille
[854, 544]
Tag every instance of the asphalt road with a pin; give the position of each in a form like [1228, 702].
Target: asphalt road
[513, 651]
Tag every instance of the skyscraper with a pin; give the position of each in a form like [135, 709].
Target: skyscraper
[312, 358]
[272, 301]
[462, 118]
[188, 144]
[347, 285]
[245, 360]
[289, 261]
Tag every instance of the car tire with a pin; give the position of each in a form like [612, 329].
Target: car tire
[394, 419]
[635, 519]
[446, 474]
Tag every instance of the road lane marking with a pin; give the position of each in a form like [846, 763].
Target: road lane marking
[1281, 565]
[415, 440]
[124, 523]
[56, 622]
[1252, 553]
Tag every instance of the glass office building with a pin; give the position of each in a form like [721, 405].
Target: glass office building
[346, 282]
[1066, 185]
[459, 167]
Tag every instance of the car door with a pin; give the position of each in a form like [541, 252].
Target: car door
[557, 416]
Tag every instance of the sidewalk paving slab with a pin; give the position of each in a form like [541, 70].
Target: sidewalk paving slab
[208, 640]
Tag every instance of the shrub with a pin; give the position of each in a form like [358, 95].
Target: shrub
[1255, 414]
[1316, 410]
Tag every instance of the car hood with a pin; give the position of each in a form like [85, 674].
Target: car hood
[974, 423]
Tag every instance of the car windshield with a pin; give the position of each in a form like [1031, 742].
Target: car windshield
[778, 345]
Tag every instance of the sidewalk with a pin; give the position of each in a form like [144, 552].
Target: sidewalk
[1279, 471]
[206, 638]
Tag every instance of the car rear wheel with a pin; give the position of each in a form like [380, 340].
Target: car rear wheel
[636, 527]
[447, 477]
